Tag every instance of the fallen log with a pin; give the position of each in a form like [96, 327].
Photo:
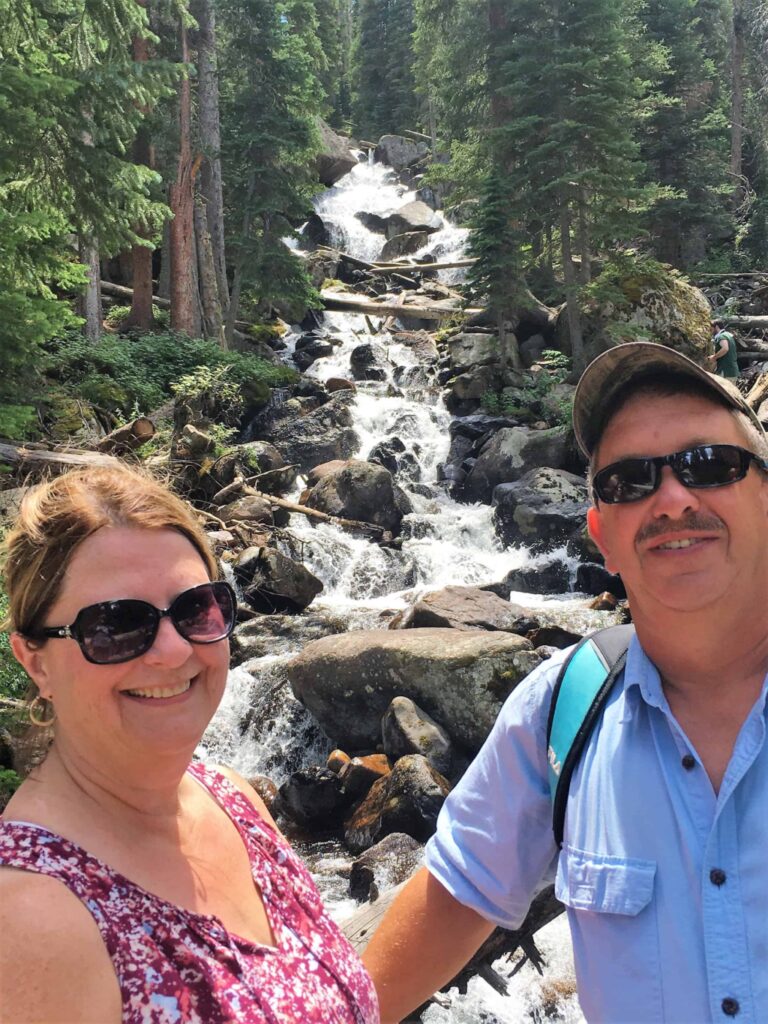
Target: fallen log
[758, 392]
[37, 458]
[119, 291]
[759, 322]
[359, 304]
[128, 438]
[387, 268]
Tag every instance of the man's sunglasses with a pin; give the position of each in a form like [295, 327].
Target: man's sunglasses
[115, 631]
[706, 465]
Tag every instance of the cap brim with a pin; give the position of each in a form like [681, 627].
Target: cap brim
[615, 369]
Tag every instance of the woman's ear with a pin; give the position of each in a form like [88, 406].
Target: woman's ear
[32, 659]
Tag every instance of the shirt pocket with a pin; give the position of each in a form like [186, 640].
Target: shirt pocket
[605, 885]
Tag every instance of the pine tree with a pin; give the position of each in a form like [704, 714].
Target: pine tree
[384, 91]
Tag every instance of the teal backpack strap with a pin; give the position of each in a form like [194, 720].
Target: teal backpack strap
[581, 690]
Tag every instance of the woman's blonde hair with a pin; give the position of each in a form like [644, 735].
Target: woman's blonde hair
[57, 516]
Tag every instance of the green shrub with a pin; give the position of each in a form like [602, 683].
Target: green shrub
[9, 783]
[116, 317]
[17, 421]
[130, 374]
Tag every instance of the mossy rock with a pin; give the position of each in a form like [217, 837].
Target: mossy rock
[67, 417]
[265, 332]
[645, 302]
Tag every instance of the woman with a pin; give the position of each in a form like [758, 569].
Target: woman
[135, 886]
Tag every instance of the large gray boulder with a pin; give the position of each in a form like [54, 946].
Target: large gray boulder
[324, 434]
[387, 864]
[510, 454]
[274, 583]
[413, 216]
[472, 349]
[458, 677]
[456, 607]
[361, 490]
[275, 476]
[399, 152]
[405, 244]
[544, 509]
[335, 158]
[406, 729]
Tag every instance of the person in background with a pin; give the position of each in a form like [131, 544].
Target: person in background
[662, 869]
[724, 357]
[136, 886]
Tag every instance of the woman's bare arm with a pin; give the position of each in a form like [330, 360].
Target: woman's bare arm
[423, 941]
[54, 966]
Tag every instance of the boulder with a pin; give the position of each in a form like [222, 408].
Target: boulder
[316, 474]
[413, 216]
[468, 389]
[456, 607]
[542, 510]
[386, 453]
[319, 436]
[387, 864]
[276, 476]
[373, 221]
[266, 789]
[309, 348]
[335, 158]
[654, 303]
[461, 678]
[399, 152]
[313, 797]
[360, 773]
[406, 729]
[510, 454]
[405, 244]
[363, 491]
[531, 349]
[336, 760]
[315, 233]
[280, 634]
[553, 636]
[550, 578]
[339, 384]
[407, 800]
[595, 579]
[272, 582]
[468, 350]
[253, 510]
[364, 363]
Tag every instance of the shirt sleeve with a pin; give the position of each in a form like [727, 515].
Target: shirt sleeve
[494, 848]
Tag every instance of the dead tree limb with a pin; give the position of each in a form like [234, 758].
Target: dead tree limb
[127, 438]
[36, 458]
[359, 304]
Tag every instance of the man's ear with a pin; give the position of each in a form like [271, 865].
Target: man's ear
[597, 533]
[32, 659]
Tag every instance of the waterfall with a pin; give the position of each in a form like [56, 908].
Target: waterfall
[260, 728]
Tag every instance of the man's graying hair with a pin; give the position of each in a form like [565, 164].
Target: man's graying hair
[666, 384]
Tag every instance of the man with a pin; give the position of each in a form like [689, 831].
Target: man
[664, 866]
[724, 357]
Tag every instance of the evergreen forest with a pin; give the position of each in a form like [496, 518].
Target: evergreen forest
[156, 155]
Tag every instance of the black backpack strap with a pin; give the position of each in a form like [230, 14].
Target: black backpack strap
[580, 693]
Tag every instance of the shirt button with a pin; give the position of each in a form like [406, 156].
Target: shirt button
[717, 876]
[688, 762]
[730, 1007]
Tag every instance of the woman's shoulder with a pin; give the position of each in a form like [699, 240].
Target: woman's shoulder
[53, 961]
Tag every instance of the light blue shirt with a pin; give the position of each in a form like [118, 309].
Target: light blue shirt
[665, 883]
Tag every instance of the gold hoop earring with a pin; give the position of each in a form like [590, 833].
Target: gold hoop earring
[37, 709]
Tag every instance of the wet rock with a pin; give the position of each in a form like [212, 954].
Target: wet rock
[413, 216]
[364, 363]
[316, 474]
[336, 760]
[276, 476]
[309, 349]
[221, 541]
[510, 454]
[363, 491]
[407, 800]
[274, 583]
[320, 436]
[387, 864]
[604, 603]
[405, 244]
[360, 773]
[313, 797]
[386, 453]
[253, 510]
[553, 636]
[406, 729]
[542, 510]
[266, 789]
[335, 158]
[595, 579]
[460, 678]
[315, 233]
[399, 152]
[339, 384]
[551, 578]
[279, 634]
[456, 607]
[373, 221]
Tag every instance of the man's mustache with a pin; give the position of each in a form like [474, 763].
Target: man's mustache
[694, 521]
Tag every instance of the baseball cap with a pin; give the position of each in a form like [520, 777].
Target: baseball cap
[613, 370]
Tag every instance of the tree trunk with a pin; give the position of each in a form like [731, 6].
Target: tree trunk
[585, 270]
[210, 141]
[571, 291]
[164, 278]
[208, 288]
[737, 101]
[90, 304]
[141, 276]
[184, 303]
[237, 281]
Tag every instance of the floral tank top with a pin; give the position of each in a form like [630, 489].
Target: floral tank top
[178, 967]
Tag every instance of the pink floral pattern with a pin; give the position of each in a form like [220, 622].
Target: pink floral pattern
[178, 967]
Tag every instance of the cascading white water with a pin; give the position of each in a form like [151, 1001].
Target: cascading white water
[260, 728]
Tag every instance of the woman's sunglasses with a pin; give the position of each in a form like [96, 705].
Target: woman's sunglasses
[115, 631]
[706, 465]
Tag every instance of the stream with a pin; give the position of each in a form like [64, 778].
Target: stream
[260, 728]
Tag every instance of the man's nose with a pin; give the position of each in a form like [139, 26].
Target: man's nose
[673, 498]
